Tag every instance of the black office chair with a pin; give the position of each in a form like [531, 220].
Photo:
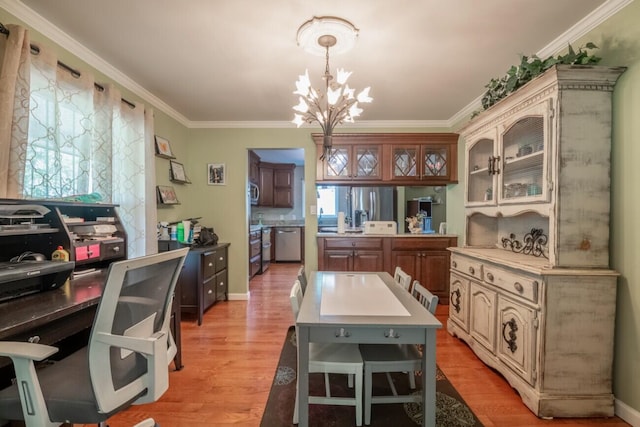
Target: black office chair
[126, 359]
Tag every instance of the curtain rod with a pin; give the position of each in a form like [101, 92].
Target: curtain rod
[35, 50]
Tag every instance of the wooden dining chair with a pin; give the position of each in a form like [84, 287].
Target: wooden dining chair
[329, 358]
[402, 278]
[389, 358]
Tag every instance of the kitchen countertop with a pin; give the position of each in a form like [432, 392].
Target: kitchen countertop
[433, 235]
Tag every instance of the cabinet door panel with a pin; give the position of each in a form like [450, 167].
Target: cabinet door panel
[338, 260]
[282, 198]
[517, 338]
[483, 316]
[266, 187]
[434, 274]
[459, 301]
[368, 261]
[407, 260]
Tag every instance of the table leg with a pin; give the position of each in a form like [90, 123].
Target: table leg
[303, 376]
[429, 379]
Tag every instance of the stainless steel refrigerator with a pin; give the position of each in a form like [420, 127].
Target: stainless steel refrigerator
[373, 204]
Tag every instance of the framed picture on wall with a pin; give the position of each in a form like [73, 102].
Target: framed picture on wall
[216, 174]
[163, 148]
[177, 172]
[167, 195]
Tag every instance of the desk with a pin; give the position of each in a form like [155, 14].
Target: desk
[49, 317]
[370, 326]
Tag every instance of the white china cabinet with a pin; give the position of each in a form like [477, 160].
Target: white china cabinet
[531, 291]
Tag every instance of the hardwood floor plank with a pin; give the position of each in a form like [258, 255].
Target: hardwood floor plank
[229, 363]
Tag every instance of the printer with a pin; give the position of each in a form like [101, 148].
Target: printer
[29, 277]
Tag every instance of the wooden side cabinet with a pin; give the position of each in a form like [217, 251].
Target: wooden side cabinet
[203, 280]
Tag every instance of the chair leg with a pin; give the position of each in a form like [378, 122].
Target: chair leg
[327, 385]
[295, 405]
[350, 380]
[412, 379]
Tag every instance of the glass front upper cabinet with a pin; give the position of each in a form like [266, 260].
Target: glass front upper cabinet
[509, 166]
[425, 162]
[348, 162]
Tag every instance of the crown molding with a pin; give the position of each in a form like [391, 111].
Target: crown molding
[55, 34]
[30, 17]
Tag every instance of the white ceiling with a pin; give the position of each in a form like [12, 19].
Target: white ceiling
[221, 62]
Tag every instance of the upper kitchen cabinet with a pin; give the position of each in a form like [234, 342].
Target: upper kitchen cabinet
[276, 185]
[399, 159]
[254, 168]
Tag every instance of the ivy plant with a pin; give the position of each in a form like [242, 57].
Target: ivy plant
[531, 67]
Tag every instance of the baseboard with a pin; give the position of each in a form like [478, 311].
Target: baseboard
[627, 413]
[239, 297]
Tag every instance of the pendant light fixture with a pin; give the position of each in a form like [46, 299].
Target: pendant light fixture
[337, 103]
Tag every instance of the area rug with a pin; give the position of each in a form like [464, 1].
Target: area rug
[451, 410]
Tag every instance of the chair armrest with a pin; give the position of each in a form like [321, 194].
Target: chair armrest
[144, 345]
[26, 350]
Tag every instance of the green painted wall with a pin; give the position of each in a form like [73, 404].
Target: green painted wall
[224, 207]
[619, 42]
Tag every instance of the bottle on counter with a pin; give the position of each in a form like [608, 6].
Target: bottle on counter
[60, 254]
[180, 232]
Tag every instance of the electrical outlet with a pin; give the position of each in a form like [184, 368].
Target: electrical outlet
[313, 210]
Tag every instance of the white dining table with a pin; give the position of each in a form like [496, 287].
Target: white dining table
[364, 308]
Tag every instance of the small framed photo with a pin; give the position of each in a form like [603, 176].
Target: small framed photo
[163, 149]
[216, 174]
[167, 195]
[177, 172]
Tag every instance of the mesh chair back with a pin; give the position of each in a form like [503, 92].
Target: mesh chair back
[136, 302]
[425, 297]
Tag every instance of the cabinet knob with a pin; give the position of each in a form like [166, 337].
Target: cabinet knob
[221, 259]
[472, 270]
[116, 249]
[34, 339]
[454, 264]
[353, 243]
[210, 291]
[518, 287]
[391, 334]
[210, 264]
[490, 277]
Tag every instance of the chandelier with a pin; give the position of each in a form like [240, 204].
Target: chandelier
[337, 103]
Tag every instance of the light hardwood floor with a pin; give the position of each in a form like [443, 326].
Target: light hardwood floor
[230, 360]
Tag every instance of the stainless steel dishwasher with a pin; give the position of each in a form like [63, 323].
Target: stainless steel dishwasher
[288, 243]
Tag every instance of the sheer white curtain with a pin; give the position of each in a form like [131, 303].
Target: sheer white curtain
[83, 141]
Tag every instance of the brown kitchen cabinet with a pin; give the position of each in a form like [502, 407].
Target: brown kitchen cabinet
[254, 168]
[389, 158]
[255, 252]
[203, 280]
[425, 259]
[351, 254]
[276, 185]
[352, 162]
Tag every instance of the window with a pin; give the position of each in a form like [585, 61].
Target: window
[326, 201]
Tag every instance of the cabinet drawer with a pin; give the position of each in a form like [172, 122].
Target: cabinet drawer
[374, 335]
[255, 249]
[419, 244]
[209, 292]
[354, 243]
[113, 249]
[208, 265]
[87, 252]
[518, 284]
[466, 266]
[221, 285]
[221, 259]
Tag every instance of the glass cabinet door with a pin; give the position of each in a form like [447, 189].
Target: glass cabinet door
[524, 144]
[435, 162]
[367, 162]
[482, 170]
[405, 162]
[337, 164]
